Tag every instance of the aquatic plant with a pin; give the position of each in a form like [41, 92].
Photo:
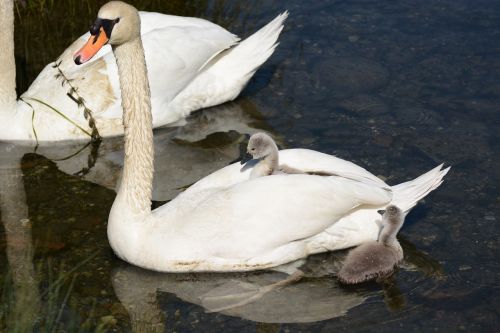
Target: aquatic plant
[26, 307]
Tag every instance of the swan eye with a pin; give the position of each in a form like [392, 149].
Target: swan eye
[117, 20]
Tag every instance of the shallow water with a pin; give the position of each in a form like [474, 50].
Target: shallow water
[397, 87]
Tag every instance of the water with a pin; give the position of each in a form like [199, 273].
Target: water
[396, 87]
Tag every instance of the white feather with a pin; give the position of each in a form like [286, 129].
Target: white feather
[188, 69]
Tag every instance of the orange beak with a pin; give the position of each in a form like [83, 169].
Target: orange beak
[93, 45]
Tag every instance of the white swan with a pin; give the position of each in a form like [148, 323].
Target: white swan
[188, 68]
[226, 222]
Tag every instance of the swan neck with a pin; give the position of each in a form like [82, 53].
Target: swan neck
[137, 179]
[7, 59]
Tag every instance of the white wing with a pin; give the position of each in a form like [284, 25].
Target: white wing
[253, 218]
[300, 159]
[186, 71]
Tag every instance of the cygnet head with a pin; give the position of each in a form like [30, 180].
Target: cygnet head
[117, 23]
[261, 145]
[392, 215]
[392, 221]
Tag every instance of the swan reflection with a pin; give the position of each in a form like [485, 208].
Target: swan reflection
[209, 140]
[185, 154]
[23, 293]
[309, 300]
[316, 297]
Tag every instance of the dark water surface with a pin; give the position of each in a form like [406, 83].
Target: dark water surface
[395, 86]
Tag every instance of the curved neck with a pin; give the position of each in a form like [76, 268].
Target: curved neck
[267, 165]
[7, 60]
[389, 232]
[137, 179]
[272, 159]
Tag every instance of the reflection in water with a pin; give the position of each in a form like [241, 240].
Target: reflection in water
[304, 301]
[70, 214]
[23, 298]
[416, 260]
[315, 298]
[183, 155]
[209, 140]
[393, 297]
[391, 85]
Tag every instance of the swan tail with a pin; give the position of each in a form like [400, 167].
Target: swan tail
[240, 63]
[225, 76]
[406, 195]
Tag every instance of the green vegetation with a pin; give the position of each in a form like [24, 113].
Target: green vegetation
[23, 308]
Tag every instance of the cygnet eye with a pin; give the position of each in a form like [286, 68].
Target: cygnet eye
[117, 20]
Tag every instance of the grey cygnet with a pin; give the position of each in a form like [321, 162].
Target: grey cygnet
[376, 259]
[263, 148]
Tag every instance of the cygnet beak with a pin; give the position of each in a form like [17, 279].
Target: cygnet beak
[246, 158]
[381, 211]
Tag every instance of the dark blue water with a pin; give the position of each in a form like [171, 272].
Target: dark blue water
[397, 87]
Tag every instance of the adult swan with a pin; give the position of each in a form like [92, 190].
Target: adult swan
[188, 70]
[226, 222]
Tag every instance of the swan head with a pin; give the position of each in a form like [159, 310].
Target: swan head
[261, 145]
[117, 23]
